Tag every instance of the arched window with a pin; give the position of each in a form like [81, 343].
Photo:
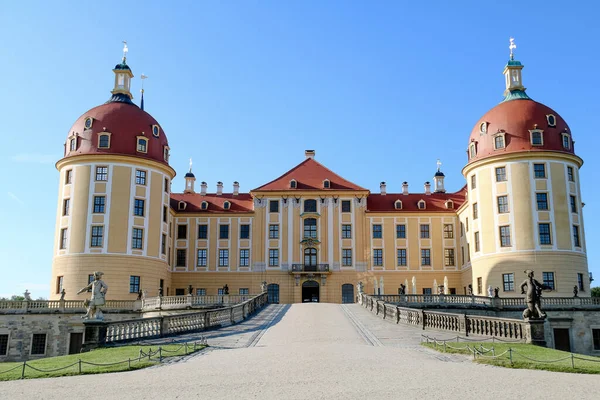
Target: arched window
[142, 145]
[310, 257]
[181, 205]
[449, 204]
[310, 205]
[421, 204]
[293, 184]
[226, 205]
[310, 228]
[204, 205]
[326, 184]
[73, 144]
[104, 141]
[398, 205]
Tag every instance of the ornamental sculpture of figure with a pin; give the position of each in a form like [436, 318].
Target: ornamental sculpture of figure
[263, 286]
[533, 289]
[361, 287]
[99, 289]
[225, 289]
[402, 289]
[27, 295]
[62, 294]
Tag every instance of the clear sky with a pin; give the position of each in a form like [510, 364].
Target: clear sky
[379, 89]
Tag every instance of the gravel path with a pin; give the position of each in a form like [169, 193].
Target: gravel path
[314, 351]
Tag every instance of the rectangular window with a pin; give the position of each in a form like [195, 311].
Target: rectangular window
[245, 231]
[223, 258]
[425, 257]
[448, 231]
[427, 291]
[97, 236]
[505, 236]
[539, 170]
[102, 173]
[467, 223]
[548, 279]
[573, 201]
[164, 214]
[180, 258]
[468, 252]
[479, 285]
[68, 177]
[579, 283]
[476, 240]
[140, 177]
[347, 257]
[499, 142]
[274, 231]
[200, 292]
[346, 206]
[536, 138]
[202, 231]
[424, 229]
[223, 231]
[473, 181]
[576, 236]
[63, 238]
[502, 204]
[244, 257]
[3, 345]
[273, 257]
[462, 229]
[137, 238]
[244, 291]
[181, 231]
[509, 282]
[134, 284]
[401, 231]
[273, 205]
[401, 257]
[377, 233]
[59, 283]
[542, 201]
[596, 338]
[179, 292]
[166, 185]
[544, 230]
[475, 211]
[163, 244]
[500, 174]
[570, 174]
[220, 291]
[449, 257]
[462, 255]
[138, 207]
[201, 257]
[99, 204]
[346, 231]
[378, 257]
[38, 344]
[66, 206]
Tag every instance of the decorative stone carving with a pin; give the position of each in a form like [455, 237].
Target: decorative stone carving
[360, 287]
[263, 286]
[62, 294]
[27, 295]
[99, 289]
[532, 288]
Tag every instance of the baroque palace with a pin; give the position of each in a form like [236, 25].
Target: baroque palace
[310, 234]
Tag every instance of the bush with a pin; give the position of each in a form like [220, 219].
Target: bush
[596, 291]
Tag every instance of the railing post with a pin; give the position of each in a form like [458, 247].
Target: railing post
[164, 326]
[423, 318]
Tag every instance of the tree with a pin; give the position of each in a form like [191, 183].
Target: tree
[596, 291]
[14, 297]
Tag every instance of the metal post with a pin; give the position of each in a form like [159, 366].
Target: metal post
[185, 344]
[129, 363]
[510, 355]
[160, 354]
[23, 371]
[79, 365]
[572, 360]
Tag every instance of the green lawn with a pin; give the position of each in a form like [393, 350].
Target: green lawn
[545, 359]
[13, 370]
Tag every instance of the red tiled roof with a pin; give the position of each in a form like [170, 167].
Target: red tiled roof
[309, 175]
[241, 203]
[435, 202]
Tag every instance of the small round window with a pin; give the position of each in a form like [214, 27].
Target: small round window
[483, 127]
[88, 123]
[551, 120]
[155, 130]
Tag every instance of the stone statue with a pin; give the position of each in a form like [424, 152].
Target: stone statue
[263, 286]
[496, 290]
[490, 291]
[160, 292]
[575, 291]
[99, 289]
[27, 295]
[62, 294]
[533, 289]
[139, 294]
[440, 289]
[470, 290]
[402, 289]
[225, 289]
[360, 287]
[144, 294]
[190, 290]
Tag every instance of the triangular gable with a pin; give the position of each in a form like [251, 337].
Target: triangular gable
[309, 175]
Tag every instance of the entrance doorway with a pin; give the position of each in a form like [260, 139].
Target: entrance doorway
[75, 342]
[273, 293]
[347, 293]
[561, 339]
[310, 292]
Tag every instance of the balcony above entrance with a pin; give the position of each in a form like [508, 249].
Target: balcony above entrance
[310, 269]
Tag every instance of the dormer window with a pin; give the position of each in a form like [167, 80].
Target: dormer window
[483, 127]
[73, 144]
[566, 141]
[326, 184]
[472, 150]
[421, 204]
[204, 205]
[181, 205]
[551, 120]
[104, 140]
[537, 138]
[166, 153]
[155, 130]
[88, 123]
[142, 144]
[398, 205]
[293, 184]
[449, 204]
[499, 142]
[226, 205]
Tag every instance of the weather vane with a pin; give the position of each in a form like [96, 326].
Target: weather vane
[125, 50]
[512, 47]
[142, 78]
[190, 164]
[439, 164]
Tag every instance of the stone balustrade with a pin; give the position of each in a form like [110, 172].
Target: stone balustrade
[190, 301]
[64, 306]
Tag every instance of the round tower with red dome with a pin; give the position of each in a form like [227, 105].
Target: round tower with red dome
[524, 208]
[113, 205]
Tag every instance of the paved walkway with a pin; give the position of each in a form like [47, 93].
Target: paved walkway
[314, 351]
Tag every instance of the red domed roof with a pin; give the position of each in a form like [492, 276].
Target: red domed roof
[124, 121]
[516, 118]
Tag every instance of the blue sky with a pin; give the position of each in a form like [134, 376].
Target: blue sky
[379, 89]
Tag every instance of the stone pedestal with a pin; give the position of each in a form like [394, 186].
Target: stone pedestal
[535, 332]
[95, 334]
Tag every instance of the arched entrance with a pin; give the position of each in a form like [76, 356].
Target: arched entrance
[310, 292]
[273, 293]
[347, 293]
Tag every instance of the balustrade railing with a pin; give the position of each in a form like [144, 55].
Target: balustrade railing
[189, 301]
[310, 268]
[41, 306]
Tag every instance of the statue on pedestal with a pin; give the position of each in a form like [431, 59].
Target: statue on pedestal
[402, 289]
[360, 287]
[27, 295]
[263, 286]
[99, 289]
[575, 291]
[62, 294]
[533, 290]
[225, 289]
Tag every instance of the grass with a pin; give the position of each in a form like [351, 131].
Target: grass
[13, 370]
[545, 358]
